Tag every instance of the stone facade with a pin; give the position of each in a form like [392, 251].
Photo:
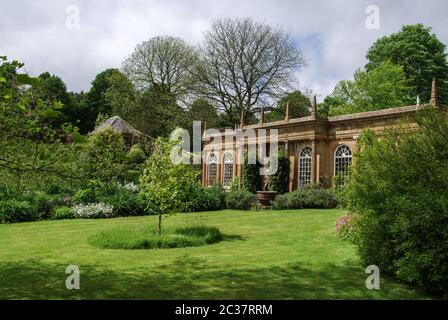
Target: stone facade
[323, 135]
[318, 148]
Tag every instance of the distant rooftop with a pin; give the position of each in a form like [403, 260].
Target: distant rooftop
[117, 124]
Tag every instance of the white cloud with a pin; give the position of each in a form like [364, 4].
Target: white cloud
[332, 34]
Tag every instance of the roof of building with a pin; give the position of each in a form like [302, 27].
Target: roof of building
[117, 124]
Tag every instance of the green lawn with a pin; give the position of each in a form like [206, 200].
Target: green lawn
[267, 255]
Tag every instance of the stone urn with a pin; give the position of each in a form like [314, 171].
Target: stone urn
[265, 197]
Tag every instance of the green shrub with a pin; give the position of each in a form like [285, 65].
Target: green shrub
[308, 197]
[62, 212]
[251, 178]
[208, 199]
[279, 180]
[280, 202]
[399, 189]
[136, 155]
[144, 238]
[125, 199]
[46, 203]
[240, 200]
[55, 189]
[133, 174]
[13, 210]
[106, 156]
[125, 203]
[85, 196]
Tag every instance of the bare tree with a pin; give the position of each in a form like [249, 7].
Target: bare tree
[244, 63]
[165, 61]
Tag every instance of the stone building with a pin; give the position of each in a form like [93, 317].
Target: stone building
[318, 148]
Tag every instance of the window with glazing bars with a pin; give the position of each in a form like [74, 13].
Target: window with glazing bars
[305, 166]
[212, 169]
[342, 164]
[228, 170]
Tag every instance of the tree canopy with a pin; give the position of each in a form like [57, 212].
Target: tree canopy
[299, 106]
[28, 143]
[243, 63]
[420, 53]
[162, 61]
[383, 87]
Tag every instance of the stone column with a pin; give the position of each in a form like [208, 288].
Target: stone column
[313, 161]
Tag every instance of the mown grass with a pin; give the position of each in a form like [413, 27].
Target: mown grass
[138, 237]
[266, 255]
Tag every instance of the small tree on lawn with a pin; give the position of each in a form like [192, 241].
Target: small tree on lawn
[169, 186]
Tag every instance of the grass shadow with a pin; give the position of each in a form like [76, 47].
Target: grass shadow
[189, 277]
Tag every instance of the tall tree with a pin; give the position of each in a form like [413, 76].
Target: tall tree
[244, 63]
[164, 61]
[52, 89]
[122, 98]
[381, 88]
[203, 110]
[299, 106]
[421, 55]
[161, 112]
[96, 102]
[28, 143]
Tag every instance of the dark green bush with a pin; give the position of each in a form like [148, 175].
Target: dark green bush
[84, 196]
[106, 156]
[125, 203]
[278, 181]
[399, 189]
[308, 197]
[62, 212]
[46, 203]
[136, 155]
[240, 200]
[13, 210]
[251, 178]
[208, 199]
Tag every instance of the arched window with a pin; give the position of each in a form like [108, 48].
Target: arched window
[228, 170]
[212, 169]
[342, 164]
[305, 166]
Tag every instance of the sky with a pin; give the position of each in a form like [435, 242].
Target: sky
[333, 36]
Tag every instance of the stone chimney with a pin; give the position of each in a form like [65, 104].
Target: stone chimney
[434, 94]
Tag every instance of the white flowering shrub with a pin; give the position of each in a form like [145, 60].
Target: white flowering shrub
[132, 187]
[93, 210]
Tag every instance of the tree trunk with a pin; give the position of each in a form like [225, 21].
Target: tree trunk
[159, 225]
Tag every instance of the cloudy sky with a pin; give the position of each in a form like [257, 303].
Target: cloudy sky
[331, 34]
